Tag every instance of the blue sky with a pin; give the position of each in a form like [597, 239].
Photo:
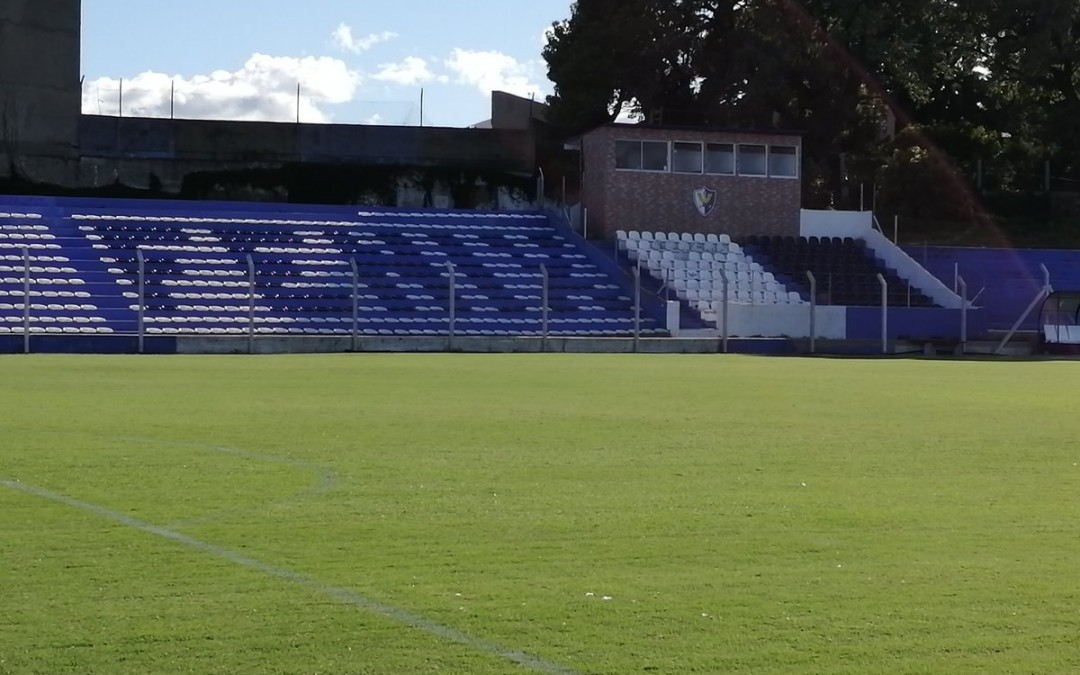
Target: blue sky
[357, 62]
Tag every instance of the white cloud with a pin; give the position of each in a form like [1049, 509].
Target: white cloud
[343, 38]
[264, 89]
[491, 71]
[408, 72]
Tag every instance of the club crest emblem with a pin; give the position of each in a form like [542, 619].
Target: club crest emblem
[704, 201]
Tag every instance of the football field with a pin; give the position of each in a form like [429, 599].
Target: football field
[546, 513]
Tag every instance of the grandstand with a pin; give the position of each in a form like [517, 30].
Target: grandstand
[119, 275]
[167, 269]
[708, 220]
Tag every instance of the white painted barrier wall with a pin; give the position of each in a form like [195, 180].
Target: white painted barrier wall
[860, 225]
[855, 224]
[673, 317]
[786, 321]
[910, 270]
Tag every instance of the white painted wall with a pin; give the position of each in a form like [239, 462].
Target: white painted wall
[673, 317]
[860, 225]
[855, 224]
[785, 321]
[912, 271]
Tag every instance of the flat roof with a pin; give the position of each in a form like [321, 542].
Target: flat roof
[688, 127]
[574, 143]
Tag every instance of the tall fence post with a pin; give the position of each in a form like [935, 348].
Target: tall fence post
[544, 307]
[142, 300]
[251, 304]
[26, 299]
[637, 306]
[963, 315]
[884, 314]
[813, 311]
[355, 301]
[453, 304]
[725, 299]
[1040, 297]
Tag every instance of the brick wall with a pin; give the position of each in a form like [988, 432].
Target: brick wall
[638, 200]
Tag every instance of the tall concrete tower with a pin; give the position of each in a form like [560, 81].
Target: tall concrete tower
[40, 95]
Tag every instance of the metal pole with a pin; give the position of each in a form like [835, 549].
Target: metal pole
[172, 100]
[121, 98]
[813, 311]
[564, 189]
[251, 304]
[544, 309]
[541, 186]
[584, 222]
[355, 301]
[421, 106]
[896, 230]
[725, 298]
[298, 103]
[955, 277]
[963, 315]
[26, 300]
[862, 196]
[637, 306]
[142, 300]
[453, 304]
[884, 314]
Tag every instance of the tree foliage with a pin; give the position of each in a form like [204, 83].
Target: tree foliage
[994, 80]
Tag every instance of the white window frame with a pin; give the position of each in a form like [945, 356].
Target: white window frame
[734, 160]
[641, 145]
[768, 162]
[738, 160]
[701, 158]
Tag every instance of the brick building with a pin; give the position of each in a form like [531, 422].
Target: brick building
[678, 179]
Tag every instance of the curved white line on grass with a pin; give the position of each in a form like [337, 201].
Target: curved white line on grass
[341, 594]
[326, 481]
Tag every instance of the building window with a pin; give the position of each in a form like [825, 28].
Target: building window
[654, 155]
[752, 160]
[641, 155]
[720, 159]
[783, 161]
[686, 157]
[628, 155]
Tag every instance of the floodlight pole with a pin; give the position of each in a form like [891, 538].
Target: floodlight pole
[26, 299]
[884, 314]
[813, 311]
[251, 304]
[142, 300]
[544, 308]
[355, 301]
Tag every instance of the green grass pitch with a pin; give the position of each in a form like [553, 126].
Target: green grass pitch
[538, 513]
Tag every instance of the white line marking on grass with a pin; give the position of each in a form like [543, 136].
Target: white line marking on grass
[336, 592]
[326, 481]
